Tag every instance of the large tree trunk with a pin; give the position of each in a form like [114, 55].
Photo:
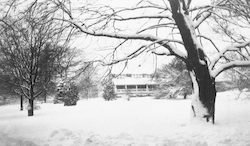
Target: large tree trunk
[31, 107]
[204, 92]
[31, 102]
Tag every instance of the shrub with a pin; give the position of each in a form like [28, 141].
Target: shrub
[35, 106]
[173, 80]
[109, 91]
[171, 92]
[67, 93]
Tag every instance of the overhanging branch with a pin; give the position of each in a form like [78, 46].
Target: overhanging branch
[145, 37]
[230, 65]
[132, 55]
[221, 54]
[201, 19]
[144, 17]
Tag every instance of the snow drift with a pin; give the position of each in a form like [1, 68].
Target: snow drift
[138, 122]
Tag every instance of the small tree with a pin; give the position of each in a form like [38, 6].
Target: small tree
[109, 91]
[71, 95]
[87, 83]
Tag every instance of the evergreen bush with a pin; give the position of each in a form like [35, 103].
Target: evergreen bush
[109, 91]
[173, 80]
[67, 93]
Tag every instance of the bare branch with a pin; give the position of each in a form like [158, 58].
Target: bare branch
[10, 7]
[132, 55]
[211, 41]
[153, 50]
[242, 73]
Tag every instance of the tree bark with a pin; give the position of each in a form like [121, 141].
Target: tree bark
[31, 107]
[21, 102]
[204, 92]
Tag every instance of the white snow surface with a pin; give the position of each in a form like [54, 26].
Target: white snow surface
[141, 121]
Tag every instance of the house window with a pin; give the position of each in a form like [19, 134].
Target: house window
[141, 87]
[120, 88]
[151, 87]
[131, 87]
[128, 75]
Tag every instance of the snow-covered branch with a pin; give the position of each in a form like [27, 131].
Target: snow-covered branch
[146, 37]
[202, 18]
[161, 52]
[163, 25]
[229, 65]
[156, 7]
[179, 53]
[210, 40]
[130, 55]
[221, 54]
[205, 12]
[159, 16]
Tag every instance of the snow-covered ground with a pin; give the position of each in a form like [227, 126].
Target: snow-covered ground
[138, 122]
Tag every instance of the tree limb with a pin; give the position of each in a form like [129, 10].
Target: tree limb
[230, 65]
[211, 41]
[217, 56]
[145, 37]
[144, 17]
[201, 19]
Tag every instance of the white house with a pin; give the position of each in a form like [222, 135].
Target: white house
[134, 83]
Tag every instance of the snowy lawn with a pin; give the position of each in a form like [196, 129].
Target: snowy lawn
[138, 122]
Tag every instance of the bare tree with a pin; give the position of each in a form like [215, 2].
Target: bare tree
[87, 80]
[33, 47]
